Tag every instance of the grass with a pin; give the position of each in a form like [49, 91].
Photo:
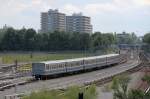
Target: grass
[71, 93]
[10, 58]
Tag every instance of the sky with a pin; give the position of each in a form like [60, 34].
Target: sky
[106, 15]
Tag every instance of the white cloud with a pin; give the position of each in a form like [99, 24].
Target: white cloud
[100, 8]
[27, 12]
[70, 8]
[17, 6]
[115, 6]
[143, 2]
[20, 13]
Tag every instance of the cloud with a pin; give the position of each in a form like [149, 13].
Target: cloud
[17, 6]
[114, 6]
[70, 8]
[143, 2]
[18, 13]
[98, 8]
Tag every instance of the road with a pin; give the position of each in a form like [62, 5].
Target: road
[71, 80]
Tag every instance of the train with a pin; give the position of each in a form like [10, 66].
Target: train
[41, 70]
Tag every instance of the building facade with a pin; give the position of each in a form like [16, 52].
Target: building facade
[78, 23]
[53, 21]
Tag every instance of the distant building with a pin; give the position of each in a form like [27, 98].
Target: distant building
[52, 21]
[78, 23]
[123, 36]
[128, 41]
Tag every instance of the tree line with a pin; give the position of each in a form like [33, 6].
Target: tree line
[146, 42]
[29, 40]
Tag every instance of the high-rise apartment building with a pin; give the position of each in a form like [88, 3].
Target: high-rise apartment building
[78, 23]
[53, 21]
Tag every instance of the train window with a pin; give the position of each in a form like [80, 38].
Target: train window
[78, 63]
[47, 67]
[72, 64]
[63, 65]
[54, 66]
[68, 64]
[60, 65]
[50, 67]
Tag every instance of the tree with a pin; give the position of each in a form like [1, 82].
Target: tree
[20, 39]
[146, 78]
[29, 39]
[136, 94]
[102, 41]
[146, 38]
[84, 39]
[127, 38]
[121, 90]
[9, 40]
[44, 42]
[120, 87]
[96, 39]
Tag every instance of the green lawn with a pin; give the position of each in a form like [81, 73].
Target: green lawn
[71, 93]
[10, 58]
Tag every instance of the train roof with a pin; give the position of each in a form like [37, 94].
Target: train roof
[77, 59]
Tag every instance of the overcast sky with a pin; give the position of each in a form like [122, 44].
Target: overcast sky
[107, 15]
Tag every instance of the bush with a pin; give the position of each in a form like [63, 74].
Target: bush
[89, 92]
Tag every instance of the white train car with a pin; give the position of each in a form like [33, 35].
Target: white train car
[41, 69]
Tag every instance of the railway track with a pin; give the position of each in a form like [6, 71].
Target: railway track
[97, 77]
[85, 79]
[144, 65]
[9, 85]
[12, 85]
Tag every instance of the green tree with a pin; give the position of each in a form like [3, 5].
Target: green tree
[20, 39]
[44, 42]
[29, 39]
[146, 38]
[136, 94]
[9, 40]
[120, 87]
[146, 78]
